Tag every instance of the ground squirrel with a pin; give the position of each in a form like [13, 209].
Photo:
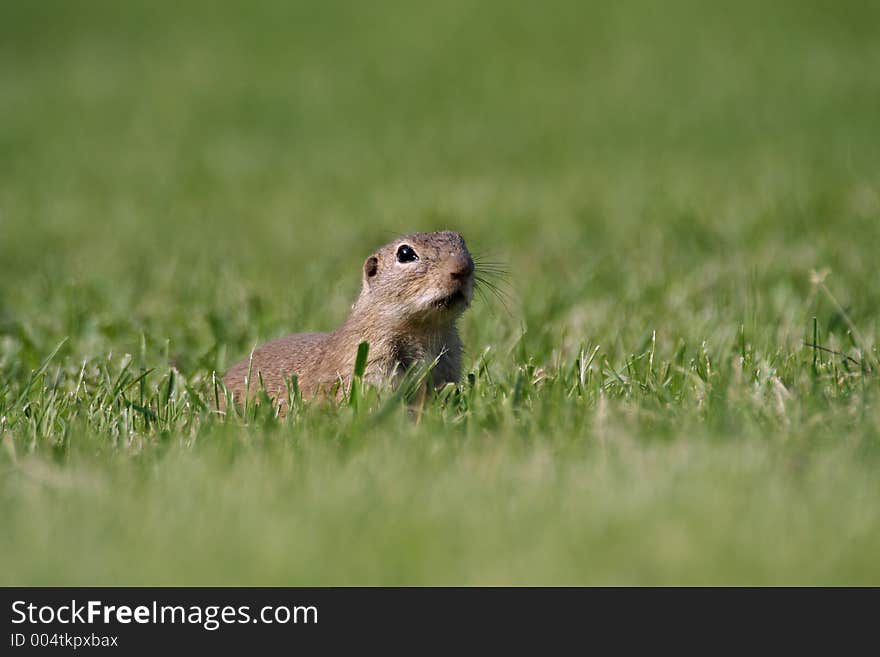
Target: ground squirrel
[414, 290]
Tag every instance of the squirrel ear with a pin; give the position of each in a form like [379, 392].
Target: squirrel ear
[371, 266]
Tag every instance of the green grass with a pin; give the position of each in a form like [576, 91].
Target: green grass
[678, 190]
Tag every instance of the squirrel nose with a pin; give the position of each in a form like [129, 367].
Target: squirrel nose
[463, 271]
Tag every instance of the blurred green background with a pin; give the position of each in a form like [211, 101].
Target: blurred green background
[179, 181]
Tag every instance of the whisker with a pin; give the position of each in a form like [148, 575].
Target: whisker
[490, 275]
[496, 284]
[502, 296]
[483, 296]
[482, 255]
[491, 267]
[499, 272]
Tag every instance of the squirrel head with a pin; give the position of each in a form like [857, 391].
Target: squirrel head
[419, 279]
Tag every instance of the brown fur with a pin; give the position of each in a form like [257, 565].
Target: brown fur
[400, 313]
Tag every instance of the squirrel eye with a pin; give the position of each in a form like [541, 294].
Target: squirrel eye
[406, 254]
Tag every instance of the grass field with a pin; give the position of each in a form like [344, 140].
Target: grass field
[678, 191]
